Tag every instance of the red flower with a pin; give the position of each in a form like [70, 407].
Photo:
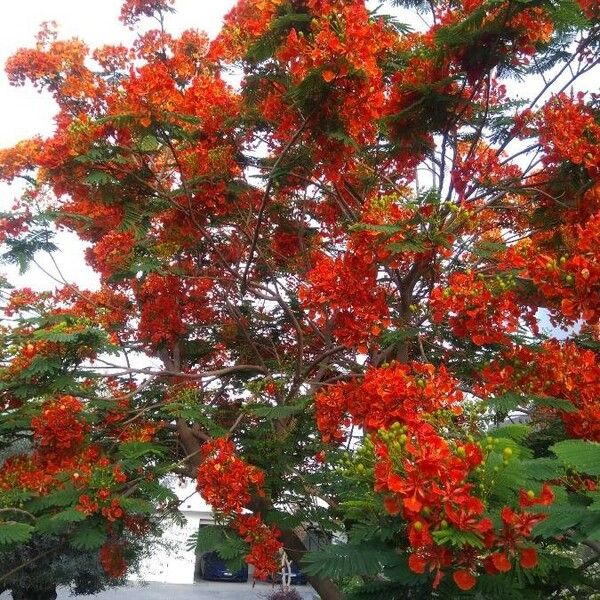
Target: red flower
[224, 479]
[528, 498]
[59, 427]
[417, 563]
[132, 10]
[501, 562]
[464, 579]
[418, 534]
[86, 505]
[529, 558]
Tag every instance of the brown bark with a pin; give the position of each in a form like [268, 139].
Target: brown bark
[191, 446]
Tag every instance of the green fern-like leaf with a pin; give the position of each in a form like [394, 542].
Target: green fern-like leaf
[379, 590]
[12, 532]
[542, 469]
[64, 497]
[231, 548]
[514, 433]
[205, 539]
[277, 412]
[136, 450]
[88, 537]
[59, 522]
[346, 560]
[560, 519]
[580, 455]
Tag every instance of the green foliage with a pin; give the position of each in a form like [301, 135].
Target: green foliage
[59, 522]
[566, 16]
[137, 505]
[148, 143]
[88, 537]
[380, 590]
[511, 435]
[580, 455]
[510, 401]
[346, 559]
[14, 532]
[133, 451]
[266, 45]
[560, 519]
[457, 538]
[100, 178]
[281, 411]
[66, 496]
[21, 251]
[227, 544]
[207, 538]
[542, 469]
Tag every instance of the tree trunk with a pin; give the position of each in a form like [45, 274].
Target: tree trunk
[34, 594]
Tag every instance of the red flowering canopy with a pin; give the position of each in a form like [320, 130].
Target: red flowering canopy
[356, 294]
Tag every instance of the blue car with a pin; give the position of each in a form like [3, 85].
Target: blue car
[213, 568]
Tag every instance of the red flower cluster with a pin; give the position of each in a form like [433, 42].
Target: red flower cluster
[264, 545]
[473, 311]
[403, 393]
[556, 370]
[226, 483]
[58, 429]
[109, 508]
[112, 253]
[242, 26]
[86, 505]
[346, 46]
[48, 63]
[112, 560]
[225, 480]
[22, 299]
[169, 306]
[480, 167]
[568, 130]
[44, 469]
[533, 26]
[133, 10]
[19, 158]
[137, 524]
[568, 276]
[591, 8]
[425, 478]
[345, 290]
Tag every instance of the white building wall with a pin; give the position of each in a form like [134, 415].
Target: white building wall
[170, 561]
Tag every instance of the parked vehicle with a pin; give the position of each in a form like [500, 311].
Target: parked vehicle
[213, 568]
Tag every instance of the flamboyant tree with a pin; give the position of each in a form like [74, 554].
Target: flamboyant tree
[323, 291]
